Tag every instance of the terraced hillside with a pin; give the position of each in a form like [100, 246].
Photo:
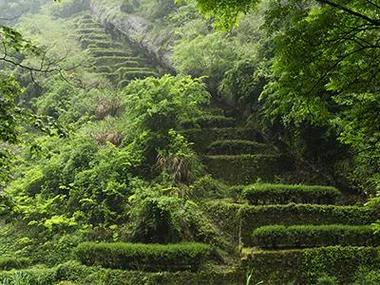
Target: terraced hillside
[249, 224]
[115, 59]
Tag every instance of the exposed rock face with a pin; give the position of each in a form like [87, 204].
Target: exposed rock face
[137, 29]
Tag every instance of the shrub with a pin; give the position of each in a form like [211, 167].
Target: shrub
[179, 162]
[207, 187]
[154, 223]
[278, 236]
[284, 194]
[159, 104]
[7, 263]
[148, 257]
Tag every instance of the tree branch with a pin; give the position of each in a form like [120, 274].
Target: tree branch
[375, 22]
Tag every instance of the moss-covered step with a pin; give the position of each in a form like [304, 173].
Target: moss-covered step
[306, 266]
[94, 37]
[113, 60]
[236, 147]
[104, 44]
[203, 137]
[307, 236]
[243, 169]
[146, 257]
[109, 75]
[239, 220]
[266, 193]
[100, 52]
[87, 43]
[132, 75]
[209, 121]
[90, 31]
[85, 22]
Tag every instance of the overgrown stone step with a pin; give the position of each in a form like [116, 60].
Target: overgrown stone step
[239, 220]
[305, 266]
[236, 147]
[103, 44]
[94, 43]
[209, 121]
[214, 110]
[100, 52]
[85, 22]
[115, 63]
[132, 75]
[131, 67]
[307, 236]
[203, 137]
[266, 193]
[146, 257]
[114, 60]
[125, 78]
[244, 169]
[90, 31]
[94, 37]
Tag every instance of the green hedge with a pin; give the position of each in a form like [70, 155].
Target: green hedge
[235, 147]
[279, 236]
[7, 263]
[308, 265]
[146, 257]
[284, 194]
[243, 169]
[239, 220]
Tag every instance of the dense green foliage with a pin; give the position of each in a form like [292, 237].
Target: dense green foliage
[317, 80]
[159, 140]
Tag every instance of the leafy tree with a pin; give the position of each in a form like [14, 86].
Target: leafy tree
[209, 55]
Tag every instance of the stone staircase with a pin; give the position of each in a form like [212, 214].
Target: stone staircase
[233, 153]
[114, 59]
[282, 228]
[239, 156]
